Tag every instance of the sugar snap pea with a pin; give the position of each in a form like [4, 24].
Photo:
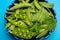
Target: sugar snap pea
[42, 34]
[47, 5]
[37, 5]
[20, 5]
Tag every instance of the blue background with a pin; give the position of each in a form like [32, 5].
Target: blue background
[4, 35]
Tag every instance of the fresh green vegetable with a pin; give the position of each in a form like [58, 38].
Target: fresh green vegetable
[47, 5]
[27, 20]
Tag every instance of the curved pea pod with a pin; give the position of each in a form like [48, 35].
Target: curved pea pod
[20, 6]
[28, 15]
[45, 12]
[25, 10]
[47, 5]
[37, 5]
[50, 12]
[41, 16]
[38, 16]
[12, 13]
[23, 33]
[28, 18]
[44, 26]
[30, 34]
[34, 17]
[35, 28]
[42, 34]
[10, 17]
[19, 16]
[19, 23]
[52, 25]
[28, 22]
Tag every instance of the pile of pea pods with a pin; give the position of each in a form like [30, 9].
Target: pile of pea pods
[30, 19]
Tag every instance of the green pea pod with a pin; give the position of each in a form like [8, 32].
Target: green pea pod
[42, 34]
[19, 24]
[34, 17]
[45, 4]
[37, 5]
[20, 6]
[34, 28]
[28, 14]
[52, 25]
[28, 22]
[38, 16]
[10, 17]
[44, 26]
[12, 13]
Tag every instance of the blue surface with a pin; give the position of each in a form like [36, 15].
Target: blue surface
[3, 32]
